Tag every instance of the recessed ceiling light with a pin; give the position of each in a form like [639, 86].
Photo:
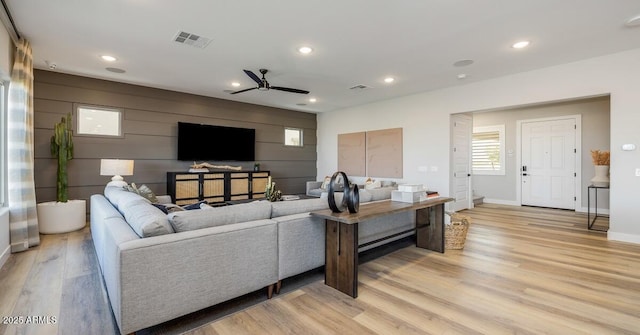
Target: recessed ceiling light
[312, 100]
[108, 58]
[389, 80]
[305, 50]
[235, 84]
[521, 44]
[462, 76]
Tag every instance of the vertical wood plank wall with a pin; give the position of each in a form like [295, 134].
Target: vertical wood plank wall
[150, 134]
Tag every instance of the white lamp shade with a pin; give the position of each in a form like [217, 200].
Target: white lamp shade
[116, 167]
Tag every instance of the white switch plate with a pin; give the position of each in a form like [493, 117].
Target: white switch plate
[637, 172]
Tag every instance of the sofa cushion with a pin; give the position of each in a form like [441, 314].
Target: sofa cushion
[282, 208]
[144, 218]
[218, 216]
[315, 192]
[381, 193]
[118, 195]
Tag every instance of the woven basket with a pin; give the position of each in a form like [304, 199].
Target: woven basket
[455, 233]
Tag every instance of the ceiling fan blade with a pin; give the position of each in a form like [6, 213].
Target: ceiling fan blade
[248, 89]
[253, 76]
[292, 90]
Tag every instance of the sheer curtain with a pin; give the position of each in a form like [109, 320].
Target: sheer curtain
[23, 216]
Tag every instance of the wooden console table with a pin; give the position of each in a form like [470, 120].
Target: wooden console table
[341, 252]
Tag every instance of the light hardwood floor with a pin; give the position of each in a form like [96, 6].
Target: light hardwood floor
[523, 270]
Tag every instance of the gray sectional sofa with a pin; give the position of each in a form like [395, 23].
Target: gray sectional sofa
[157, 267]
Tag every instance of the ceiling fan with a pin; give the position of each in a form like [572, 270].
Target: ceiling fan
[263, 84]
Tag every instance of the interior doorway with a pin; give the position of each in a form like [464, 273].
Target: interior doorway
[592, 133]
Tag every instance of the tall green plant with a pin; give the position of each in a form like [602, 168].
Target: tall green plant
[62, 149]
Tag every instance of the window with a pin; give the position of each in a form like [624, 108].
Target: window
[98, 121]
[487, 150]
[293, 137]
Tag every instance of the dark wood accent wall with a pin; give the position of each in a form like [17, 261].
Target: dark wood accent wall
[150, 134]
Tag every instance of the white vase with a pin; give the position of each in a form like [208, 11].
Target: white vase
[61, 217]
[602, 176]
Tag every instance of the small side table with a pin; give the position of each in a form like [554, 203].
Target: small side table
[590, 221]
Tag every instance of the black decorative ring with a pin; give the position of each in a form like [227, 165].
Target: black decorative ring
[350, 197]
[332, 188]
[353, 199]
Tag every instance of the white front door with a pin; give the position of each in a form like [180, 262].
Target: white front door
[549, 163]
[461, 162]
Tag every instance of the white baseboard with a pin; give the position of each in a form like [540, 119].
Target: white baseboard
[501, 202]
[5, 256]
[622, 237]
[601, 211]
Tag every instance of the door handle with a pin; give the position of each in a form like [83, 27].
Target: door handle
[524, 174]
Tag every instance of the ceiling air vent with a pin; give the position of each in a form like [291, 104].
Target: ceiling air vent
[359, 87]
[192, 39]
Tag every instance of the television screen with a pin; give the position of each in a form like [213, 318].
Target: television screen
[201, 142]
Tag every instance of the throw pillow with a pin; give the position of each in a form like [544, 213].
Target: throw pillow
[325, 182]
[194, 206]
[172, 208]
[163, 208]
[370, 184]
[143, 191]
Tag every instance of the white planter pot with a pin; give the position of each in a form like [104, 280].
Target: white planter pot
[601, 178]
[62, 217]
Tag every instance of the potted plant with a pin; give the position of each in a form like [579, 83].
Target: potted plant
[62, 215]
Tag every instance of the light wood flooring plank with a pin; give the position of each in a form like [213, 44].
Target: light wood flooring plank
[42, 291]
[13, 276]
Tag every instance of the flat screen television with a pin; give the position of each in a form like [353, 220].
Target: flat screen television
[201, 142]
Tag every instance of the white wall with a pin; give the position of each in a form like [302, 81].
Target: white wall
[425, 121]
